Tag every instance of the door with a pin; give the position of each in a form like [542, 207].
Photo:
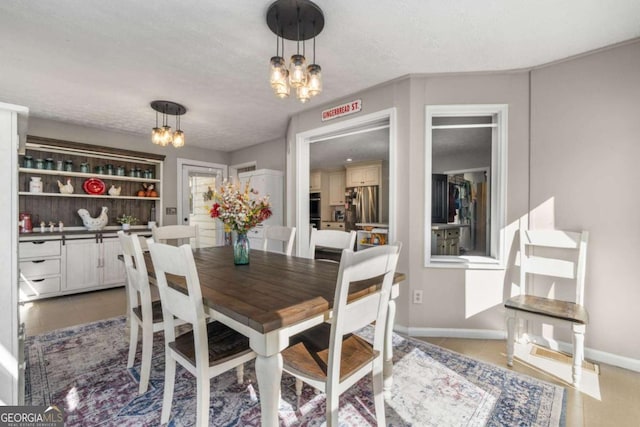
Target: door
[113, 271]
[198, 184]
[83, 263]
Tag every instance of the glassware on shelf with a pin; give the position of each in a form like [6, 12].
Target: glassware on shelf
[68, 165]
[48, 164]
[59, 165]
[109, 169]
[99, 169]
[39, 164]
[120, 171]
[84, 167]
[27, 161]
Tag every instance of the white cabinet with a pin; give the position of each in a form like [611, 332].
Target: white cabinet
[363, 175]
[266, 182]
[92, 264]
[315, 181]
[336, 188]
[41, 269]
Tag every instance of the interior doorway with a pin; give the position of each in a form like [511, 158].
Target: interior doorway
[304, 142]
[196, 183]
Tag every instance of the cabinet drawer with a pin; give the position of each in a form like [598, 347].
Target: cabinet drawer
[39, 248]
[37, 287]
[38, 268]
[333, 225]
[453, 233]
[438, 234]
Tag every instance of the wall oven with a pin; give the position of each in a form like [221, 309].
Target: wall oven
[314, 210]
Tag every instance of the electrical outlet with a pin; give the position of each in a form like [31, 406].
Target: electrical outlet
[171, 211]
[417, 297]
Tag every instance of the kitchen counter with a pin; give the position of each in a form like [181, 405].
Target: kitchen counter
[447, 226]
[371, 224]
[75, 233]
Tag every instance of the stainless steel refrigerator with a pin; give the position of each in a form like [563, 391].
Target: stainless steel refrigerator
[362, 206]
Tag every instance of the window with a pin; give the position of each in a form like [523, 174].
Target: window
[465, 166]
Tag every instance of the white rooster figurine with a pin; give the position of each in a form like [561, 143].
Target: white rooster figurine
[65, 188]
[94, 223]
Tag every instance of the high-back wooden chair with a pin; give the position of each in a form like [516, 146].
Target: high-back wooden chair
[182, 234]
[332, 239]
[567, 260]
[279, 233]
[206, 351]
[143, 313]
[330, 357]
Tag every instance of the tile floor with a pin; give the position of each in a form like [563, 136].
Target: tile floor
[620, 388]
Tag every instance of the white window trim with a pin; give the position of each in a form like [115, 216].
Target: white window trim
[498, 186]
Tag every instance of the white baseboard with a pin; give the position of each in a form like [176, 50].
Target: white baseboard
[491, 334]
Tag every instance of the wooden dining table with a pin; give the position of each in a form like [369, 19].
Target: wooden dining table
[272, 298]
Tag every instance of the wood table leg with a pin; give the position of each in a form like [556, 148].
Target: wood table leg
[269, 375]
[388, 349]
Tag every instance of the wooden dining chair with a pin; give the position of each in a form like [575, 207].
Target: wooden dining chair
[560, 255]
[143, 313]
[280, 234]
[206, 351]
[331, 239]
[180, 233]
[329, 356]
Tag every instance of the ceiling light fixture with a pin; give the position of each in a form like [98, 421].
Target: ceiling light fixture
[164, 135]
[296, 20]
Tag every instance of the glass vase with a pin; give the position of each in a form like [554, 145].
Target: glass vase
[241, 250]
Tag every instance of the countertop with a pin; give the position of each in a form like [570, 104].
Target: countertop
[76, 233]
[372, 224]
[447, 226]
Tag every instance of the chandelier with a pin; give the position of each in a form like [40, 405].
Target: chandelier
[164, 135]
[296, 20]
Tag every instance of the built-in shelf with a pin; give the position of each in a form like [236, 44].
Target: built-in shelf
[86, 196]
[86, 175]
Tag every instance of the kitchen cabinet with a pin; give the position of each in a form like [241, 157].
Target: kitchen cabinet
[336, 188]
[445, 239]
[100, 162]
[363, 175]
[332, 225]
[315, 181]
[41, 269]
[93, 263]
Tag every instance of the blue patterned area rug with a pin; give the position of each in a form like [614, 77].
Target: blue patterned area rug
[83, 369]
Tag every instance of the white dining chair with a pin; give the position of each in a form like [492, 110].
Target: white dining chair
[206, 351]
[331, 239]
[329, 356]
[561, 255]
[143, 313]
[180, 233]
[279, 234]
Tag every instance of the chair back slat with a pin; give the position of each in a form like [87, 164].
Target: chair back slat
[334, 239]
[550, 267]
[279, 233]
[553, 238]
[573, 243]
[361, 312]
[181, 233]
[178, 261]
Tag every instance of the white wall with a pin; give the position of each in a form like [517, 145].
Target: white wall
[585, 130]
[70, 132]
[585, 151]
[267, 155]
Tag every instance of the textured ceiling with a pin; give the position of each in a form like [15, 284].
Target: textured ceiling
[100, 63]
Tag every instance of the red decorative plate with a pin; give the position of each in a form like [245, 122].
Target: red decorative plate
[94, 186]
